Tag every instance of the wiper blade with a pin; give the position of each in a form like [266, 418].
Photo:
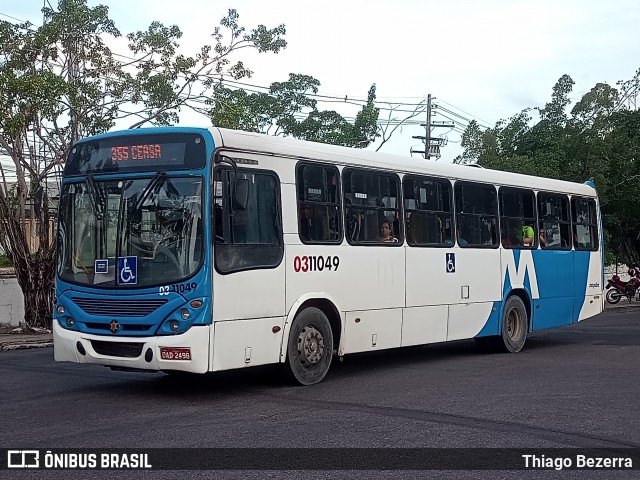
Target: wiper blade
[153, 186]
[97, 195]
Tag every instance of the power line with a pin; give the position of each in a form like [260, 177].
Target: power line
[394, 107]
[325, 98]
[349, 99]
[471, 115]
[14, 18]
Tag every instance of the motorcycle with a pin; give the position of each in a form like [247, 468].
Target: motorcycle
[616, 288]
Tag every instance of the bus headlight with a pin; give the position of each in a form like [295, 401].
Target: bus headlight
[185, 314]
[60, 310]
[70, 322]
[174, 325]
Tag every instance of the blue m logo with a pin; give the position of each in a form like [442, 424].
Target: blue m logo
[518, 273]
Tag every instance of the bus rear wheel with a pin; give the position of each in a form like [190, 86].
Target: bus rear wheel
[310, 347]
[514, 329]
[514, 325]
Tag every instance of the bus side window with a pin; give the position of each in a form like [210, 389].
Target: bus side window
[250, 235]
[554, 222]
[517, 218]
[427, 203]
[476, 214]
[584, 221]
[318, 206]
[371, 200]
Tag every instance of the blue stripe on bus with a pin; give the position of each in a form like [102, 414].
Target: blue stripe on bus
[562, 282]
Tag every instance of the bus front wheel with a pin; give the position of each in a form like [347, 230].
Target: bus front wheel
[310, 347]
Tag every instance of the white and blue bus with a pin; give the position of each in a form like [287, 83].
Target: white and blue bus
[200, 250]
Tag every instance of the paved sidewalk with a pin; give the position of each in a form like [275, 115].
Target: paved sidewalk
[622, 306]
[19, 341]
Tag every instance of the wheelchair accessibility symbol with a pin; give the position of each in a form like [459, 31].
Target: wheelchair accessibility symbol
[451, 263]
[127, 270]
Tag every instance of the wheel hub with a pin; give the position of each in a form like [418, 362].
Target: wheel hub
[310, 345]
[513, 324]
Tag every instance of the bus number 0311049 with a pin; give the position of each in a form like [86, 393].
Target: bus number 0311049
[315, 263]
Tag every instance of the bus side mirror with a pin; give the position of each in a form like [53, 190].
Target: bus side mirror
[241, 194]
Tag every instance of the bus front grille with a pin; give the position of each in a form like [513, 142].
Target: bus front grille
[123, 327]
[117, 349]
[118, 308]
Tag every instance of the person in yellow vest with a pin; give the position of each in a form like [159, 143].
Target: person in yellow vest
[527, 235]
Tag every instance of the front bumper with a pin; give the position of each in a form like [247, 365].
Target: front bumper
[197, 338]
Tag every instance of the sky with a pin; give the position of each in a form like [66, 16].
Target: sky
[485, 60]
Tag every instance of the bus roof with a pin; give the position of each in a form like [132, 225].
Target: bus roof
[288, 147]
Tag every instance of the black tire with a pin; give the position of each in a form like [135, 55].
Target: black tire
[613, 296]
[513, 336]
[310, 347]
[514, 325]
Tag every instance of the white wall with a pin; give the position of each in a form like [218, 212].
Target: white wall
[11, 302]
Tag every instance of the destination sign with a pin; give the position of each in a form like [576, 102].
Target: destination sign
[137, 153]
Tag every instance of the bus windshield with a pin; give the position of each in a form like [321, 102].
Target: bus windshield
[153, 224]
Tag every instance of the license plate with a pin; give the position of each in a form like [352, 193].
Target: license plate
[175, 353]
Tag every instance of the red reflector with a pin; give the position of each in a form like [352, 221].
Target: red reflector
[175, 353]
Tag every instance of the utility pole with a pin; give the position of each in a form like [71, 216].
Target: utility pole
[427, 128]
[432, 145]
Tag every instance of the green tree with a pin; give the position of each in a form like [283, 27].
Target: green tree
[620, 181]
[554, 112]
[61, 81]
[291, 109]
[597, 139]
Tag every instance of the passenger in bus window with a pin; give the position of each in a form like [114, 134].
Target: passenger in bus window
[543, 242]
[461, 239]
[527, 235]
[447, 235]
[311, 227]
[306, 218]
[386, 231]
[506, 242]
[333, 188]
[581, 241]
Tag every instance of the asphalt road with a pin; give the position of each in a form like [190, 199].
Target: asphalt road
[570, 387]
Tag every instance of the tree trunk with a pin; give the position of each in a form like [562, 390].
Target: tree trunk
[34, 271]
[36, 279]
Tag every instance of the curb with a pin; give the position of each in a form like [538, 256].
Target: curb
[622, 308]
[7, 347]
